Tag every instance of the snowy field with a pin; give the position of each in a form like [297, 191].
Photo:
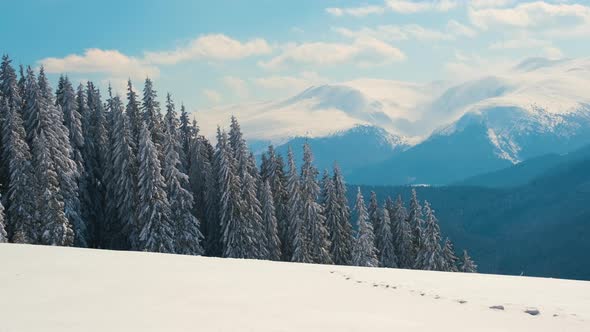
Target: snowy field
[65, 289]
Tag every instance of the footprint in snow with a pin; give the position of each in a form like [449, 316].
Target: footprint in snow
[497, 307]
[461, 301]
[533, 311]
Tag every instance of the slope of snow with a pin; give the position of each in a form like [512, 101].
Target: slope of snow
[66, 289]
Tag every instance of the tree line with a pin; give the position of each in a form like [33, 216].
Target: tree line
[79, 171]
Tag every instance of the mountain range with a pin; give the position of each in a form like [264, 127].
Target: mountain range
[394, 133]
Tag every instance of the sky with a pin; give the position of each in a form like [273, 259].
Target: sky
[212, 53]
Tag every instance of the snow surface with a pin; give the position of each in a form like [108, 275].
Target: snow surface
[66, 289]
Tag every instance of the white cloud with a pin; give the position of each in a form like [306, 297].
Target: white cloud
[458, 29]
[410, 7]
[356, 11]
[538, 14]
[453, 30]
[110, 62]
[528, 43]
[290, 84]
[490, 3]
[237, 85]
[363, 50]
[212, 95]
[211, 47]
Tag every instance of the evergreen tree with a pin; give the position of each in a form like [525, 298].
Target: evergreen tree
[298, 249]
[467, 264]
[54, 228]
[252, 218]
[449, 259]
[152, 116]
[186, 226]
[123, 183]
[337, 218]
[68, 164]
[21, 207]
[429, 254]
[96, 157]
[375, 220]
[134, 116]
[156, 232]
[402, 232]
[312, 213]
[416, 224]
[273, 243]
[9, 91]
[186, 135]
[387, 256]
[364, 252]
[275, 174]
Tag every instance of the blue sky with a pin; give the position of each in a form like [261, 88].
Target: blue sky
[210, 53]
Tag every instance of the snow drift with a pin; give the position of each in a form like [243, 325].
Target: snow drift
[67, 289]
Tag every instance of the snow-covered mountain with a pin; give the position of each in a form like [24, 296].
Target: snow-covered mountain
[538, 106]
[70, 289]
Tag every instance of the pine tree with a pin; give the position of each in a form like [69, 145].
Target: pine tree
[387, 256]
[275, 174]
[123, 182]
[429, 254]
[364, 252]
[3, 234]
[375, 220]
[69, 165]
[186, 135]
[31, 105]
[312, 213]
[55, 228]
[449, 259]
[273, 243]
[96, 157]
[134, 116]
[9, 91]
[337, 218]
[237, 238]
[186, 226]
[156, 232]
[416, 224]
[467, 264]
[298, 249]
[152, 116]
[402, 232]
[21, 207]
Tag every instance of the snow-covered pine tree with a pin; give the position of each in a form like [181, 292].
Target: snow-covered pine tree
[66, 98]
[156, 232]
[31, 105]
[21, 80]
[54, 228]
[152, 116]
[3, 233]
[275, 174]
[387, 256]
[96, 143]
[237, 238]
[416, 225]
[449, 258]
[297, 233]
[252, 218]
[467, 264]
[134, 116]
[123, 182]
[312, 212]
[364, 252]
[9, 91]
[238, 146]
[273, 243]
[338, 218]
[68, 165]
[186, 226]
[187, 134]
[430, 253]
[402, 232]
[21, 207]
[375, 220]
